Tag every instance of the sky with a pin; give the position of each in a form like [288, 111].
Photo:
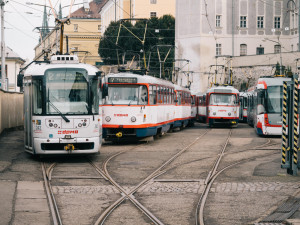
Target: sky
[21, 20]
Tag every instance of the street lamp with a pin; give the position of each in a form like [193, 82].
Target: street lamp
[277, 42]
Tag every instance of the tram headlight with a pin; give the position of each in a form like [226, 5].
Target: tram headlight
[214, 113]
[50, 124]
[107, 118]
[79, 125]
[133, 119]
[229, 114]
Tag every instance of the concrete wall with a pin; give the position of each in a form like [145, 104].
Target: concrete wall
[11, 110]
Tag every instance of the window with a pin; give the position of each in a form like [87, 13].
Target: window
[243, 49]
[218, 49]
[277, 48]
[99, 27]
[243, 21]
[75, 27]
[152, 14]
[153, 1]
[260, 22]
[277, 22]
[218, 21]
[260, 51]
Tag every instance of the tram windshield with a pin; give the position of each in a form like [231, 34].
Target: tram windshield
[274, 99]
[222, 99]
[127, 95]
[67, 92]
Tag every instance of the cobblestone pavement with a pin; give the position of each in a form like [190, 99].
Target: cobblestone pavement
[196, 187]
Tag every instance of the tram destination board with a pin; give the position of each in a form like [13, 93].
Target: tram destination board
[122, 80]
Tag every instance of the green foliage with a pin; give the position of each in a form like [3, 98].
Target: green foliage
[129, 45]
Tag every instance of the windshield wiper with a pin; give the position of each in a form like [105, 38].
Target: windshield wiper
[129, 102]
[59, 112]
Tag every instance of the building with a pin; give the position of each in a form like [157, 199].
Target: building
[226, 32]
[13, 63]
[83, 34]
[114, 10]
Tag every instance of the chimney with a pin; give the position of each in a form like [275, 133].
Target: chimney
[86, 5]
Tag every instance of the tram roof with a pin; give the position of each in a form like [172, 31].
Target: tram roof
[39, 69]
[271, 81]
[222, 89]
[140, 78]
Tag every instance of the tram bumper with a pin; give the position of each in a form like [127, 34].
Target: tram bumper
[66, 146]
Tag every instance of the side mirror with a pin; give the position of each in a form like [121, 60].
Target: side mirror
[20, 80]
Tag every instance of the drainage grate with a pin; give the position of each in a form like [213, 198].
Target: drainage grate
[283, 212]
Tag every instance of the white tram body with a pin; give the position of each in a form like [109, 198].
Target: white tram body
[183, 108]
[219, 105]
[139, 106]
[267, 105]
[61, 107]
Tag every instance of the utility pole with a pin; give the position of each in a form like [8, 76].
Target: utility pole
[3, 76]
[233, 15]
[298, 26]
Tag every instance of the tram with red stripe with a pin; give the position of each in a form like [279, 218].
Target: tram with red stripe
[140, 106]
[220, 104]
[267, 102]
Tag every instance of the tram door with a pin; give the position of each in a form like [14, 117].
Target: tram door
[28, 114]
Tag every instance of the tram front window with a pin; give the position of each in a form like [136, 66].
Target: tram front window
[67, 92]
[222, 99]
[127, 95]
[274, 99]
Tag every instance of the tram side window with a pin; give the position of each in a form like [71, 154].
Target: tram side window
[152, 93]
[159, 95]
[37, 97]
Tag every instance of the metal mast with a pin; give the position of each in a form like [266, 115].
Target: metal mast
[3, 76]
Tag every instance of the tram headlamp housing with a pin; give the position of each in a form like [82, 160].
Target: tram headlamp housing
[214, 113]
[229, 114]
[133, 119]
[107, 118]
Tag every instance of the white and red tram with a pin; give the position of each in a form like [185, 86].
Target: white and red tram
[219, 104]
[137, 106]
[61, 107]
[183, 107]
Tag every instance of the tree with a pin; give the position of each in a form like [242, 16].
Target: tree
[159, 32]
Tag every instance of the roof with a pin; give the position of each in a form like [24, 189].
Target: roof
[92, 13]
[10, 54]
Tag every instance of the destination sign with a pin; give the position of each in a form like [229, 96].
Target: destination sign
[122, 80]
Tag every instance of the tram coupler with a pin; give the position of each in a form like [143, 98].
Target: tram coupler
[69, 147]
[119, 134]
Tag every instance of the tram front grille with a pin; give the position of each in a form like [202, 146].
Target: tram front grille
[60, 146]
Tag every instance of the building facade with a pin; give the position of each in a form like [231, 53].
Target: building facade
[226, 30]
[13, 64]
[83, 34]
[114, 10]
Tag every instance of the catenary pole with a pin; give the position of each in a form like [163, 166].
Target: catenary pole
[3, 86]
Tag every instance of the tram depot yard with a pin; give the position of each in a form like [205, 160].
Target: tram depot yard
[252, 188]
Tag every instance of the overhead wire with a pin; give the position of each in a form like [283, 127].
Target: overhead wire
[22, 16]
[20, 30]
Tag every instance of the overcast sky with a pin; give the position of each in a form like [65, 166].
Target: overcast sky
[21, 19]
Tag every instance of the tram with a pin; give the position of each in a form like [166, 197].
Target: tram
[250, 107]
[243, 107]
[137, 106]
[267, 104]
[183, 107]
[61, 107]
[219, 104]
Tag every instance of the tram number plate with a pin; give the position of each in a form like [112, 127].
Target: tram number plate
[122, 80]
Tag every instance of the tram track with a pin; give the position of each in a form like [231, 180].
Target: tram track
[130, 195]
[47, 177]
